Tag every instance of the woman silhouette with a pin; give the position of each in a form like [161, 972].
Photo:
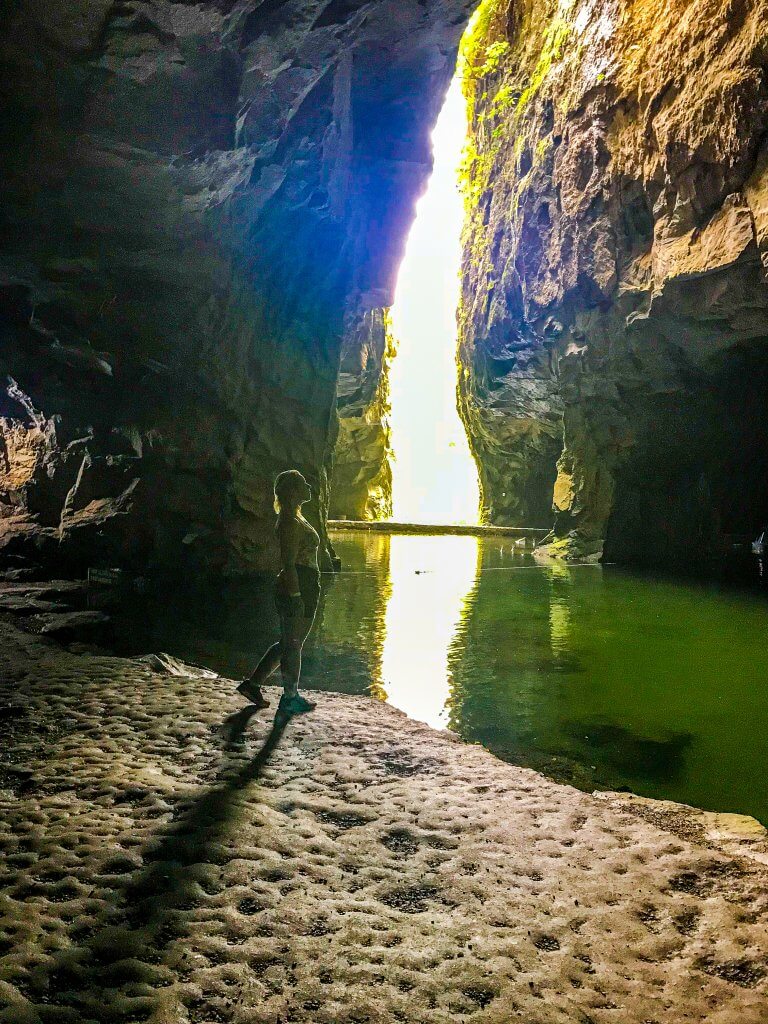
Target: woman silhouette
[297, 591]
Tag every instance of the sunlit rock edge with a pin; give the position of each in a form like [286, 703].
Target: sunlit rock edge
[361, 471]
[613, 323]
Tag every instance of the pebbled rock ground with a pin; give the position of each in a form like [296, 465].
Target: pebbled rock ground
[168, 856]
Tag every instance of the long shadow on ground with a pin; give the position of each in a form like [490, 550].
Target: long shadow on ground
[105, 978]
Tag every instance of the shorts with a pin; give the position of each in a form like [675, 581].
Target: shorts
[309, 587]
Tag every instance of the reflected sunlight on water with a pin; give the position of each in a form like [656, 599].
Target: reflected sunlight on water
[559, 609]
[595, 676]
[428, 589]
[598, 677]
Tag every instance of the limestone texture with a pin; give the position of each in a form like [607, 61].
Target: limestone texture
[362, 453]
[196, 199]
[169, 856]
[613, 328]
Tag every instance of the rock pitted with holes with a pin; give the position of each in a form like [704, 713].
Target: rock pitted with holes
[167, 857]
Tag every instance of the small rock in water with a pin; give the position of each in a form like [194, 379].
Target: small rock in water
[166, 663]
[14, 575]
[66, 589]
[22, 604]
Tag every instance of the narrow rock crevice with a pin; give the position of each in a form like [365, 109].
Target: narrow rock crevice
[362, 454]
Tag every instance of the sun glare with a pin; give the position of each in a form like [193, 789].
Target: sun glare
[434, 474]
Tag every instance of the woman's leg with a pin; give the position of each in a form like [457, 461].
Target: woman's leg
[294, 631]
[270, 662]
[250, 687]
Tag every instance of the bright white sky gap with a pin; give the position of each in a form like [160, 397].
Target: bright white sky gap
[434, 475]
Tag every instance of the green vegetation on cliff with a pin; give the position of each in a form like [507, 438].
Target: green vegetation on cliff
[615, 178]
[499, 89]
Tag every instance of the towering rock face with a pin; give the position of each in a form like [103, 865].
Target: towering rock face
[362, 470]
[195, 198]
[614, 329]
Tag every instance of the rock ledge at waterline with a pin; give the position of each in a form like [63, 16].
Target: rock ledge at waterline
[368, 869]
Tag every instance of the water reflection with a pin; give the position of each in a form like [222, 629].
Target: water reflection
[559, 610]
[595, 676]
[429, 586]
[344, 650]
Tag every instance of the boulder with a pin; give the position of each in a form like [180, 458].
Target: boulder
[68, 626]
[167, 664]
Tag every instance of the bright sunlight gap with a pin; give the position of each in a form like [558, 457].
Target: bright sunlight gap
[434, 474]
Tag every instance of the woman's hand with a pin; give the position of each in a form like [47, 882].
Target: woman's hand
[288, 582]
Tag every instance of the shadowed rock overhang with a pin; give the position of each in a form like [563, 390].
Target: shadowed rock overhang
[195, 197]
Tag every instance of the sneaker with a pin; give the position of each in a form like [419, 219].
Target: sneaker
[252, 693]
[295, 705]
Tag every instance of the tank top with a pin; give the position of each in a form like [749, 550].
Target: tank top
[308, 542]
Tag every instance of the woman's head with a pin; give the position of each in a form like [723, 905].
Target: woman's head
[291, 491]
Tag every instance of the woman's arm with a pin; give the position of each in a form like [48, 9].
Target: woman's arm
[288, 532]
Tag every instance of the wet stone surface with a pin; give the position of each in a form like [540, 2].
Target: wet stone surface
[169, 857]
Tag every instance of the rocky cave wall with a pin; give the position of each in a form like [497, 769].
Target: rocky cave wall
[196, 198]
[361, 471]
[613, 329]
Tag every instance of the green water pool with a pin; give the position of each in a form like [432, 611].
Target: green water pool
[591, 674]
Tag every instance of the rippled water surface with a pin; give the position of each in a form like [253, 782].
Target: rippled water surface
[590, 674]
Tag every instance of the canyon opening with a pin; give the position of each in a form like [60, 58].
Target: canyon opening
[383, 557]
[434, 477]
